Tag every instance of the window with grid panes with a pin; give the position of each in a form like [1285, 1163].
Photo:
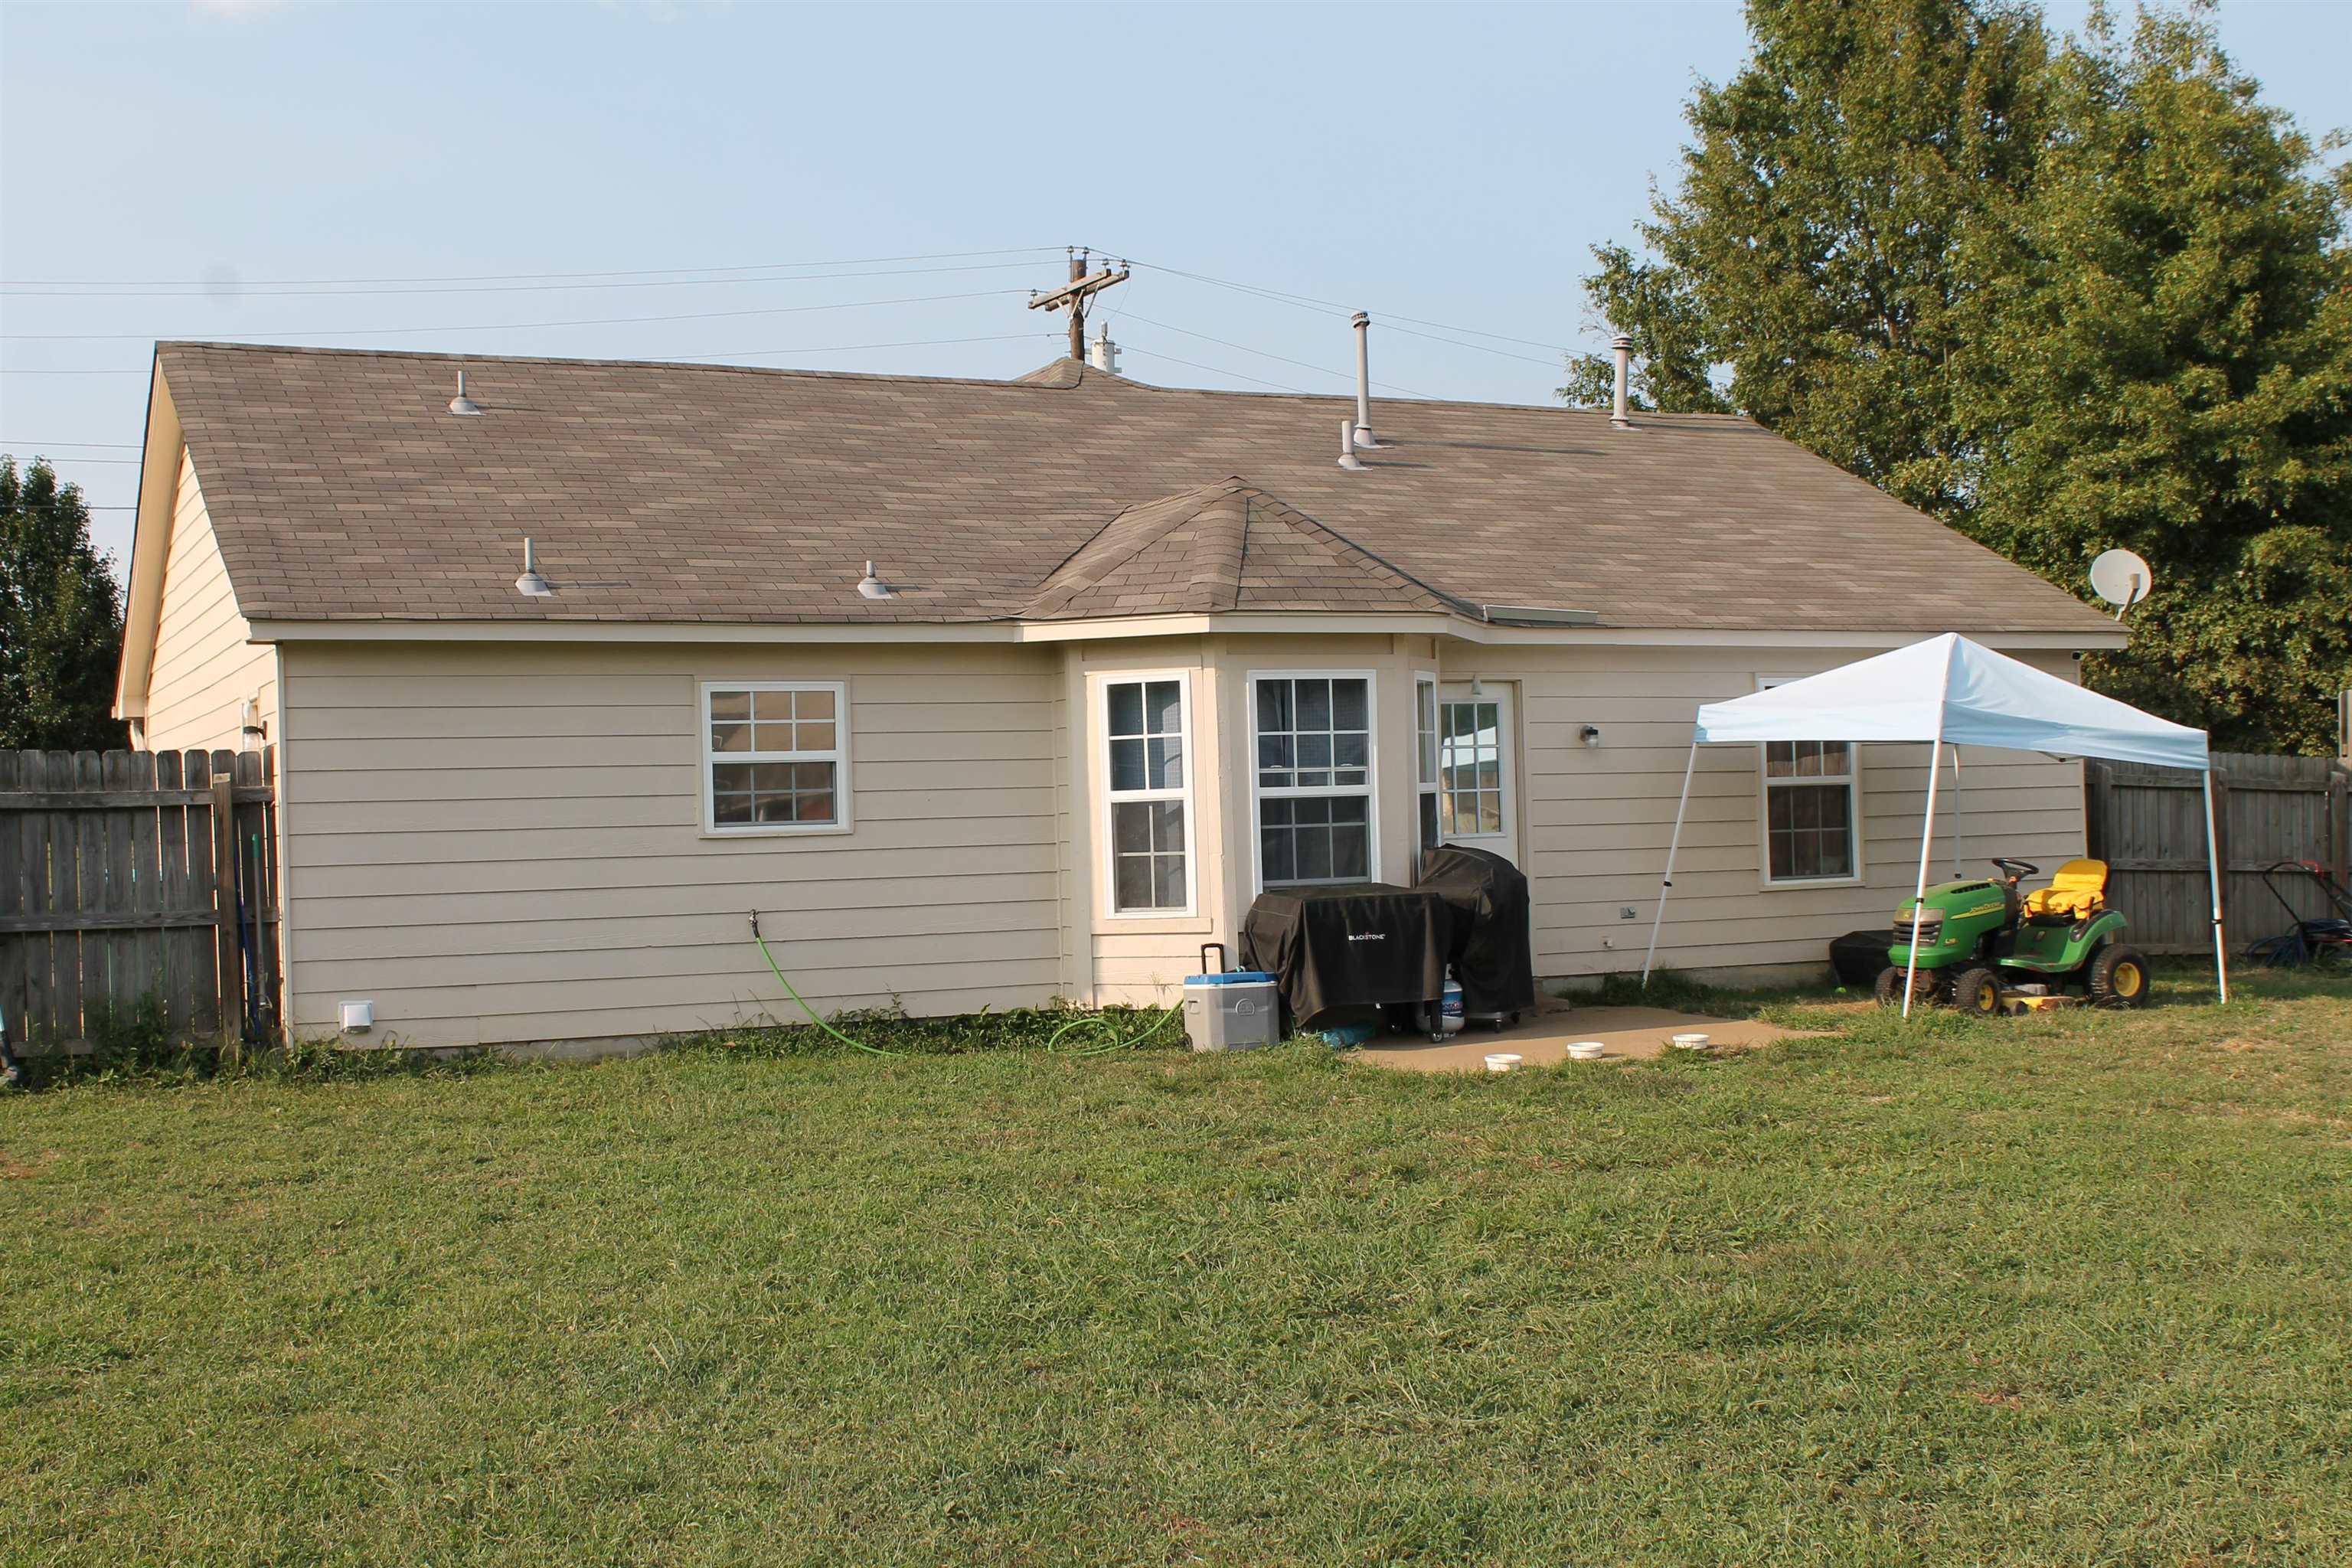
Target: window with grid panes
[775, 754]
[1809, 810]
[1314, 737]
[1470, 769]
[1144, 726]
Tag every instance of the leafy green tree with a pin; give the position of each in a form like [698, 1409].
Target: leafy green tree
[1807, 273]
[2166, 364]
[2065, 296]
[60, 619]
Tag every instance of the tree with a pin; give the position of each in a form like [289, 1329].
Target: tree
[2166, 364]
[2064, 297]
[60, 619]
[1806, 273]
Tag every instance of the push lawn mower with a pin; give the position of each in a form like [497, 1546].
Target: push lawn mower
[1986, 948]
[2325, 943]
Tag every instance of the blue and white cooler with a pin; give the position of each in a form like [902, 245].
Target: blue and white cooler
[1230, 1009]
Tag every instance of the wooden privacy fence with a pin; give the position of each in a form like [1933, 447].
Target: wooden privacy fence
[137, 875]
[2149, 825]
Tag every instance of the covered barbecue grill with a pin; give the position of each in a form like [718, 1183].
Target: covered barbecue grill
[1341, 953]
[1493, 953]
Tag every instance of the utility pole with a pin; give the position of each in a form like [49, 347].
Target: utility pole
[1073, 296]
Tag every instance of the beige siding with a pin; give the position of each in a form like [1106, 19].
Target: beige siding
[204, 670]
[496, 843]
[504, 843]
[1597, 819]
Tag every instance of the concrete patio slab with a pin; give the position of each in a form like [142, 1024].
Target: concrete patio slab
[1630, 1034]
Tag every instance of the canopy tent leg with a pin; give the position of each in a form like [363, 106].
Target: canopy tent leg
[1667, 882]
[1959, 806]
[2213, 874]
[1926, 849]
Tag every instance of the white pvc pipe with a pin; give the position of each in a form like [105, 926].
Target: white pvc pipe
[1668, 881]
[1926, 848]
[1363, 433]
[2213, 874]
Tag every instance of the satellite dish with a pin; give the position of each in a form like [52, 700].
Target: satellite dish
[2121, 578]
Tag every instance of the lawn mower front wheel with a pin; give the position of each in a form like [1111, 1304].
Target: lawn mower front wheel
[2117, 977]
[1925, 987]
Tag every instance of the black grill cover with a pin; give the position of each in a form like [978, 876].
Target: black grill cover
[1339, 951]
[1859, 955]
[1492, 955]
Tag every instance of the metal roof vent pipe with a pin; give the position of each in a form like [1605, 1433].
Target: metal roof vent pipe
[530, 585]
[1362, 438]
[1348, 458]
[1621, 346]
[872, 586]
[462, 405]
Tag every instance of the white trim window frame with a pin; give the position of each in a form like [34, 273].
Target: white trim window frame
[1136, 823]
[1811, 771]
[1322, 804]
[784, 745]
[1425, 761]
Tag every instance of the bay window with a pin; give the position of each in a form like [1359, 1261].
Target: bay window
[1146, 729]
[1313, 735]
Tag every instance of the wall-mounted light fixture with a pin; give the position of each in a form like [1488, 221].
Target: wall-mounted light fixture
[1590, 734]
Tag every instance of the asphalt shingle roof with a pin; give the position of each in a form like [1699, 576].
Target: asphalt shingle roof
[340, 487]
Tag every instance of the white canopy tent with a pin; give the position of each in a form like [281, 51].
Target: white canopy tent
[1949, 691]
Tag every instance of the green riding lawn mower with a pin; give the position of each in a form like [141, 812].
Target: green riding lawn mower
[1986, 948]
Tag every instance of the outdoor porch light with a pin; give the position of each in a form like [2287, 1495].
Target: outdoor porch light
[1590, 734]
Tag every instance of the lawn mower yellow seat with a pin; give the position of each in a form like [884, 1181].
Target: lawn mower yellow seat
[2075, 893]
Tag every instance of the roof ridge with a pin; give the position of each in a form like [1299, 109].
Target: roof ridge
[1367, 561]
[1022, 383]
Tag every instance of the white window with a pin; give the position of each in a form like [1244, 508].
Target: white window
[775, 757]
[1314, 734]
[1810, 811]
[1425, 750]
[1147, 735]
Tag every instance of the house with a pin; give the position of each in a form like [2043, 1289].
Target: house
[1124, 656]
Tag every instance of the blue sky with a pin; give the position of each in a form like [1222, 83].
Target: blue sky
[1451, 163]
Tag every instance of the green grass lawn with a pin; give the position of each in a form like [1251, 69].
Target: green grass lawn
[2073, 1290]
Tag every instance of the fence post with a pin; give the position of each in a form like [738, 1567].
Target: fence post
[228, 962]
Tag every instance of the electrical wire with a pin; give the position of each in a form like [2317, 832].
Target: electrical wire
[119, 446]
[666, 359]
[519, 326]
[1219, 370]
[233, 291]
[1331, 307]
[512, 277]
[1262, 353]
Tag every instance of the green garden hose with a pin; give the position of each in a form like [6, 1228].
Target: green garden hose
[1052, 1041]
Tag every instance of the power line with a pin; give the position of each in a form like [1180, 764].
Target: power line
[1331, 307]
[1218, 370]
[122, 446]
[233, 290]
[855, 348]
[523, 326]
[51, 458]
[512, 277]
[1262, 353]
[665, 359]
